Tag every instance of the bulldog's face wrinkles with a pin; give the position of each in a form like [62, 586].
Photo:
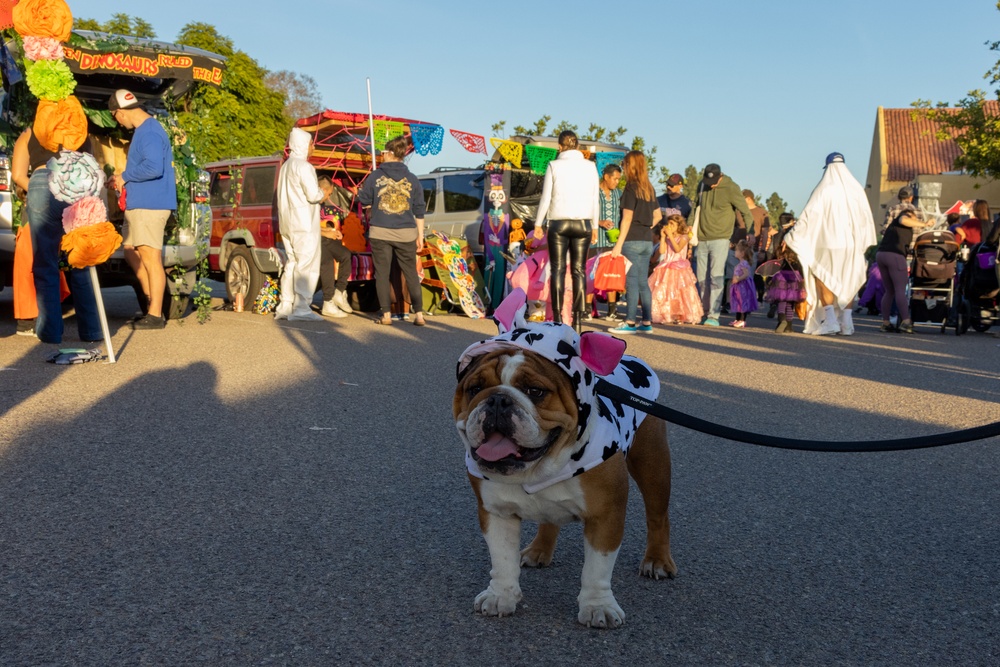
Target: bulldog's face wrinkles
[516, 412]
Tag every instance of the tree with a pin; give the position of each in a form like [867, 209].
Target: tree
[691, 179]
[537, 131]
[242, 117]
[775, 206]
[302, 97]
[120, 24]
[972, 125]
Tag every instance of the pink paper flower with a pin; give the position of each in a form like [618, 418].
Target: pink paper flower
[87, 211]
[42, 48]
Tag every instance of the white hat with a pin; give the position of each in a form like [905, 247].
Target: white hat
[123, 99]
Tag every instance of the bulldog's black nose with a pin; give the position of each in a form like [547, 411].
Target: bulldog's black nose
[499, 401]
[497, 408]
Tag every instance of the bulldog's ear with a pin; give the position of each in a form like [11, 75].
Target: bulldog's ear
[601, 352]
[506, 313]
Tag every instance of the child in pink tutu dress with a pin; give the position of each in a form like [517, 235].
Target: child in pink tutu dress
[742, 291]
[674, 287]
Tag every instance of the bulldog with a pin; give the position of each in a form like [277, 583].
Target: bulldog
[541, 445]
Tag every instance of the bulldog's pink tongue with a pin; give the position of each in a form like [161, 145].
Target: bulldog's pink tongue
[496, 447]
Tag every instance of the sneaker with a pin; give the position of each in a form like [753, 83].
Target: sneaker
[589, 317]
[25, 327]
[738, 324]
[340, 300]
[330, 309]
[149, 322]
[623, 329]
[611, 318]
[710, 322]
[305, 317]
[829, 327]
[906, 326]
[887, 328]
[644, 328]
[772, 311]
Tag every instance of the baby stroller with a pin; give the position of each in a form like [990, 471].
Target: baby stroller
[932, 277]
[979, 290]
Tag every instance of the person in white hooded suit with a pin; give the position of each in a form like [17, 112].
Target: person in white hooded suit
[299, 197]
[830, 238]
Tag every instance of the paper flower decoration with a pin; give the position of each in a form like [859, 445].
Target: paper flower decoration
[50, 80]
[60, 124]
[73, 176]
[43, 18]
[90, 245]
[42, 48]
[87, 211]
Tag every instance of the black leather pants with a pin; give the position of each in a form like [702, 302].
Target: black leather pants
[574, 236]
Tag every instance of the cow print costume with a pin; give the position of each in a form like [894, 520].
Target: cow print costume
[604, 426]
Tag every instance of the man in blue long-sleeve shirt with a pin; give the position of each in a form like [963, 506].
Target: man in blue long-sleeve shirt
[150, 198]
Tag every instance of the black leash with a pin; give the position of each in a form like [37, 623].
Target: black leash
[626, 397]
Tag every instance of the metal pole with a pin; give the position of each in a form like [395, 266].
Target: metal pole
[371, 120]
[104, 318]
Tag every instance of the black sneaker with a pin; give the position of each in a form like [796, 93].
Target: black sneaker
[26, 327]
[149, 322]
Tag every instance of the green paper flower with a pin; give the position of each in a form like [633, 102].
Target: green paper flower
[50, 80]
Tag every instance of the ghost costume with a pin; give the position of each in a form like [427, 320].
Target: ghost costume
[605, 427]
[298, 197]
[830, 238]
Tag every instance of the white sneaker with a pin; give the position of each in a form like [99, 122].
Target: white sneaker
[330, 309]
[305, 317]
[830, 325]
[846, 323]
[341, 302]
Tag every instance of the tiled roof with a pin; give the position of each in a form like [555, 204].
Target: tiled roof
[912, 147]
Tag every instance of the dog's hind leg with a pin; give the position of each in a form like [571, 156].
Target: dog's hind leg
[539, 553]
[649, 464]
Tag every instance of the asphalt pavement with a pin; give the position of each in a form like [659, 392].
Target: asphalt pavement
[252, 492]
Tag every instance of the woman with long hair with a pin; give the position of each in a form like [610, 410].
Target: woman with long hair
[640, 212]
[970, 232]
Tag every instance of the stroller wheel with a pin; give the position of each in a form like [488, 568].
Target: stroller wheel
[980, 326]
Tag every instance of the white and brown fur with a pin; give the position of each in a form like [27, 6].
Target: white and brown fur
[531, 397]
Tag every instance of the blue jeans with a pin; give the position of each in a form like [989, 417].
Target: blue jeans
[637, 279]
[711, 259]
[45, 222]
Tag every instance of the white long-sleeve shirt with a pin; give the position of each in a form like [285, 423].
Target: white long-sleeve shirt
[571, 190]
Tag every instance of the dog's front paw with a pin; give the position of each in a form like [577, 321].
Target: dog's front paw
[491, 603]
[603, 613]
[656, 568]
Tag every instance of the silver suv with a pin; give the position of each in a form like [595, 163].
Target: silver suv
[455, 200]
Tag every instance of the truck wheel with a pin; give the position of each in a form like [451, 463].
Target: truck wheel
[243, 277]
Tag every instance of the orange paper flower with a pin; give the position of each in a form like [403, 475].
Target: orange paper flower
[60, 123]
[90, 245]
[43, 18]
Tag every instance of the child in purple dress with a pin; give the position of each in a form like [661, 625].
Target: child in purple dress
[786, 289]
[742, 291]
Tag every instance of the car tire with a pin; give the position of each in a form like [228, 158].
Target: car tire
[242, 276]
[175, 307]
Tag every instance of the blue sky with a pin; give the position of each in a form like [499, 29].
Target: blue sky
[765, 89]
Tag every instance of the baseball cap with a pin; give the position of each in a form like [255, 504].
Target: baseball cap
[675, 179]
[904, 193]
[712, 174]
[122, 99]
[834, 157]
